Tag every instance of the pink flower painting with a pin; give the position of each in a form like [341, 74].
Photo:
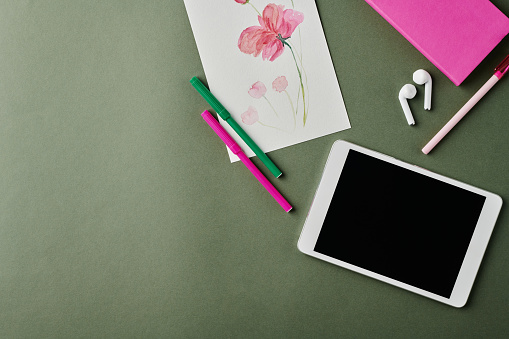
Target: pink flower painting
[280, 84]
[258, 90]
[250, 116]
[269, 39]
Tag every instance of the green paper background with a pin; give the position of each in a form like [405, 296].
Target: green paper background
[121, 215]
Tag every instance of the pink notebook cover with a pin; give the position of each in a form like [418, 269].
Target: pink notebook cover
[455, 35]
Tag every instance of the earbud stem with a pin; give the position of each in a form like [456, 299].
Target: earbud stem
[406, 109]
[427, 95]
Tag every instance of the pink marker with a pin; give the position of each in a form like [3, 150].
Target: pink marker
[235, 148]
[499, 73]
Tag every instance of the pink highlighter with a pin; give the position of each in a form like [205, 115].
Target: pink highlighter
[500, 71]
[235, 148]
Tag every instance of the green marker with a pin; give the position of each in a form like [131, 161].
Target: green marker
[226, 116]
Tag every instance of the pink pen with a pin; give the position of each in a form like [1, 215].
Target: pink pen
[235, 148]
[499, 73]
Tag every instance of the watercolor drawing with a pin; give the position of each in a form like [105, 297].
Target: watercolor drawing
[271, 38]
[268, 63]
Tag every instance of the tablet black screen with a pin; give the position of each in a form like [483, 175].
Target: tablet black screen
[399, 223]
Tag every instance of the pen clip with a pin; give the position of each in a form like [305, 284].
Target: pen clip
[501, 69]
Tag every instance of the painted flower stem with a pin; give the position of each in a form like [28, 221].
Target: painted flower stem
[254, 8]
[271, 106]
[303, 70]
[304, 117]
[269, 126]
[293, 109]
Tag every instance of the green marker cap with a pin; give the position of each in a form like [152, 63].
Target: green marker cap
[211, 99]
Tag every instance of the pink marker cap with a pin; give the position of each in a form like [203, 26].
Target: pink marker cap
[501, 69]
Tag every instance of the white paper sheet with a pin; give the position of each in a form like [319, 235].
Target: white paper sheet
[269, 65]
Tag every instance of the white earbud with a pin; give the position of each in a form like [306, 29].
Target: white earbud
[407, 92]
[422, 77]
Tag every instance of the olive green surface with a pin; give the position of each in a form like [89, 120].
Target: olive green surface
[122, 217]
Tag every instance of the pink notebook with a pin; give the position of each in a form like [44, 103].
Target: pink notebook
[455, 35]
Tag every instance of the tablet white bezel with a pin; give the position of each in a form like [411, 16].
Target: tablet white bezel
[325, 191]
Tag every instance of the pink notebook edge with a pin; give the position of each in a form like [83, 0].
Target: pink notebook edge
[456, 80]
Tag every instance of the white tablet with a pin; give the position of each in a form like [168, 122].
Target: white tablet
[399, 223]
